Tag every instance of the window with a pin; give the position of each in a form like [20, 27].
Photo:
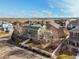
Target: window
[72, 43]
[71, 33]
[77, 44]
[77, 34]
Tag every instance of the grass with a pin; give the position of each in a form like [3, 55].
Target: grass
[3, 33]
[67, 55]
[64, 56]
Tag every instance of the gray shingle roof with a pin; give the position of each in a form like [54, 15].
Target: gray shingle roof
[75, 30]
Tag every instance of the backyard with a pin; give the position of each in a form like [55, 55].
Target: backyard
[67, 55]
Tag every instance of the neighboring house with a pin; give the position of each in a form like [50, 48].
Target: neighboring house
[6, 26]
[72, 24]
[73, 40]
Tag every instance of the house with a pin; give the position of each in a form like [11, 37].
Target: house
[72, 24]
[1, 28]
[6, 30]
[43, 32]
[73, 41]
[33, 31]
[47, 32]
[6, 26]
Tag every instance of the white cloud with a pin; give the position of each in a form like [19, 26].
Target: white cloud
[72, 7]
[66, 6]
[41, 14]
[26, 14]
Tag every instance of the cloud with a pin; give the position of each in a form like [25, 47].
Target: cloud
[73, 7]
[70, 7]
[42, 14]
[26, 14]
[12, 14]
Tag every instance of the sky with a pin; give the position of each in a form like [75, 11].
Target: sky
[38, 8]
